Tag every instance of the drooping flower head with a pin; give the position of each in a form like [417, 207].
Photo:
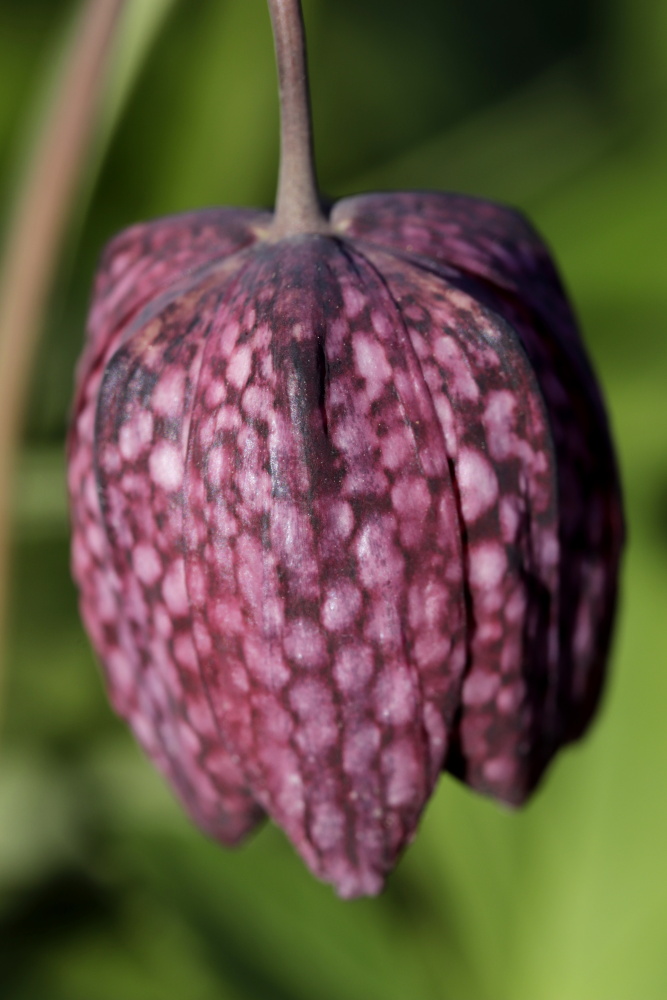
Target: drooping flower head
[346, 513]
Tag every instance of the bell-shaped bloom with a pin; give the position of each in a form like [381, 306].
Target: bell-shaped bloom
[346, 513]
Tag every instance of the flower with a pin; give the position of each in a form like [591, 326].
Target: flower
[345, 513]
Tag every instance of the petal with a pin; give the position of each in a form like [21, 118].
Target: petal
[324, 564]
[514, 275]
[127, 446]
[154, 258]
[497, 436]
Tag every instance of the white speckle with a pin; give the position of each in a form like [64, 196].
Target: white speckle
[353, 668]
[228, 338]
[477, 482]
[185, 653]
[359, 749]
[371, 363]
[312, 702]
[397, 449]
[216, 394]
[403, 774]
[304, 643]
[381, 323]
[510, 697]
[379, 560]
[411, 500]
[135, 435]
[202, 639]
[174, 590]
[238, 368]
[342, 519]
[353, 299]
[110, 460]
[327, 826]
[218, 468]
[509, 518]
[147, 564]
[273, 721]
[383, 625]
[265, 663]
[168, 395]
[488, 564]
[341, 606]
[437, 736]
[500, 769]
[549, 549]
[445, 414]
[257, 402]
[480, 687]
[163, 624]
[395, 696]
[288, 794]
[459, 379]
[515, 606]
[166, 466]
[121, 671]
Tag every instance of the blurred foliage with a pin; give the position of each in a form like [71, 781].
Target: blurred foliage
[559, 106]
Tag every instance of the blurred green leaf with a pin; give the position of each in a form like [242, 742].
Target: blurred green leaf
[106, 889]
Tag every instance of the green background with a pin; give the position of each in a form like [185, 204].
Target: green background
[106, 892]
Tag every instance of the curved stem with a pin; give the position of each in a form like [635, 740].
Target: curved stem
[35, 237]
[297, 201]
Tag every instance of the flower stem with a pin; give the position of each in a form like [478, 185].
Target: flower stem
[298, 207]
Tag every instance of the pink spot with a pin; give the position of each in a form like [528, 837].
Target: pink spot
[509, 698]
[501, 770]
[480, 687]
[432, 650]
[371, 363]
[327, 826]
[166, 467]
[217, 464]
[411, 500]
[174, 590]
[304, 643]
[353, 668]
[342, 519]
[477, 482]
[403, 774]
[488, 565]
[288, 791]
[460, 382]
[397, 448]
[360, 747]
[168, 396]
[380, 562]
[147, 564]
[216, 394]
[395, 696]
[238, 368]
[257, 402]
[354, 300]
[135, 435]
[265, 662]
[341, 606]
[273, 721]
[312, 702]
[228, 338]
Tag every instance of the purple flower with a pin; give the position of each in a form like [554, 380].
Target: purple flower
[346, 513]
[345, 506]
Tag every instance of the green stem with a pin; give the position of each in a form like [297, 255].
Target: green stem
[298, 207]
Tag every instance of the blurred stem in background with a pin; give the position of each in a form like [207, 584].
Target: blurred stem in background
[36, 236]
